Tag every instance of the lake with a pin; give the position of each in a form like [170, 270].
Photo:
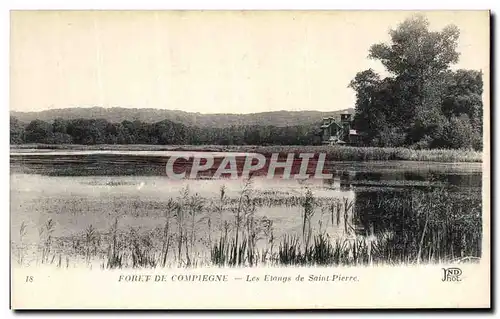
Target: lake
[80, 204]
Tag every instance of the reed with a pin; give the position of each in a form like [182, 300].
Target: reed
[350, 153]
[428, 226]
[336, 152]
[308, 212]
[20, 248]
[142, 250]
[167, 237]
[115, 257]
[90, 239]
[45, 233]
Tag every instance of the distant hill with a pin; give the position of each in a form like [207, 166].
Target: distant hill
[118, 114]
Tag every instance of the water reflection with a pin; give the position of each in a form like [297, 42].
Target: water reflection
[430, 225]
[419, 215]
[346, 180]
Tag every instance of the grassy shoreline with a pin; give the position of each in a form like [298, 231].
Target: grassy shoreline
[340, 153]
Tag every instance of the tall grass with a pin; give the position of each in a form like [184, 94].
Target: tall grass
[167, 237]
[336, 152]
[115, 258]
[430, 226]
[91, 242]
[349, 153]
[45, 233]
[22, 234]
[241, 248]
[308, 212]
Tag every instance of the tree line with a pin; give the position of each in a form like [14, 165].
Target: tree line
[100, 131]
[422, 103]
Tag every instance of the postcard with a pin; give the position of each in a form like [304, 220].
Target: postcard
[250, 159]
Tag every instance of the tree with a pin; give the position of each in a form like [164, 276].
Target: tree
[415, 52]
[92, 131]
[458, 133]
[463, 95]
[39, 131]
[17, 131]
[60, 126]
[421, 95]
[370, 114]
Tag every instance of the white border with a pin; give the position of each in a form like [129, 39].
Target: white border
[186, 4]
[255, 4]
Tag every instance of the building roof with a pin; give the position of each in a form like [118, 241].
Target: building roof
[330, 124]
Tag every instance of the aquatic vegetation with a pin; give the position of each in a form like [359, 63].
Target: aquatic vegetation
[416, 226]
[334, 152]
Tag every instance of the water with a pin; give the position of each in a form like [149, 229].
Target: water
[78, 189]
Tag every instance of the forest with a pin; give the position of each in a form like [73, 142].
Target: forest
[100, 131]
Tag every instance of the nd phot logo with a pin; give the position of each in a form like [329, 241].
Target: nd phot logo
[452, 274]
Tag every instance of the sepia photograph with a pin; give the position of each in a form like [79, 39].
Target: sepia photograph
[327, 159]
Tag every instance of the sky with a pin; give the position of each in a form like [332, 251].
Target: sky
[208, 62]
